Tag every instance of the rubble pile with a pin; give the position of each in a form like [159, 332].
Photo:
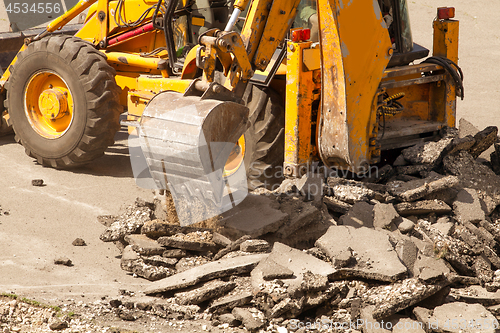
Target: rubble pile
[416, 244]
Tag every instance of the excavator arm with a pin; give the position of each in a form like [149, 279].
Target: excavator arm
[356, 49]
[187, 138]
[253, 48]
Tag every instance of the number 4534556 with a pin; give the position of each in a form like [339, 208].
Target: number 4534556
[38, 8]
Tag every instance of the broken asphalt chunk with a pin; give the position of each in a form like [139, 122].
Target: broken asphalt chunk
[417, 189]
[375, 256]
[184, 242]
[255, 216]
[384, 216]
[234, 246]
[250, 320]
[210, 290]
[271, 270]
[174, 253]
[361, 215]
[484, 139]
[63, 261]
[212, 270]
[300, 214]
[230, 302]
[458, 317]
[144, 245]
[426, 153]
[133, 263]
[254, 245]
[422, 207]
[467, 207]
[477, 294]
[336, 205]
[476, 176]
[389, 300]
[79, 242]
[295, 260]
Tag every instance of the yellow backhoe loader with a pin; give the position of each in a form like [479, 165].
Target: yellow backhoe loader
[214, 86]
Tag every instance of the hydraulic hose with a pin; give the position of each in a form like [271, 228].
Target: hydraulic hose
[452, 68]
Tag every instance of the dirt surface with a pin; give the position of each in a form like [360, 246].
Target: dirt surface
[42, 223]
[479, 49]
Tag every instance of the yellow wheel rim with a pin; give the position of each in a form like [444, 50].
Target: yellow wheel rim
[48, 104]
[236, 157]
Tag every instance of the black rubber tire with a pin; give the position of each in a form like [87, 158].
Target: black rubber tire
[4, 128]
[264, 140]
[91, 81]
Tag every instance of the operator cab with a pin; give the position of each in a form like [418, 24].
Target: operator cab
[395, 13]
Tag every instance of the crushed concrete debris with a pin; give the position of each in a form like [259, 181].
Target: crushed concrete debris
[216, 269]
[423, 207]
[195, 241]
[477, 176]
[418, 242]
[128, 223]
[37, 182]
[484, 139]
[63, 261]
[144, 245]
[255, 216]
[254, 245]
[467, 207]
[79, 242]
[384, 216]
[375, 255]
[336, 206]
[460, 317]
[353, 191]
[230, 302]
[361, 215]
[426, 153]
[210, 290]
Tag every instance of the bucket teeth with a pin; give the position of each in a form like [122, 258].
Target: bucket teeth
[186, 142]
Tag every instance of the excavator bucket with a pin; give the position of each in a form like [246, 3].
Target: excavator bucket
[186, 141]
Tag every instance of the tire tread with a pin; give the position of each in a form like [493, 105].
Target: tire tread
[101, 91]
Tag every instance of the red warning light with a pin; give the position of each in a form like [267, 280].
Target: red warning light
[446, 13]
[300, 35]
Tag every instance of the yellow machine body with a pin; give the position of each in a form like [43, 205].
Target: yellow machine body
[334, 89]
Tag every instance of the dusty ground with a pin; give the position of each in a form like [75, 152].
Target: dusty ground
[479, 50]
[38, 224]
[42, 222]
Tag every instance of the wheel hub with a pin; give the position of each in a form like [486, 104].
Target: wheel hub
[236, 157]
[49, 105]
[53, 103]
